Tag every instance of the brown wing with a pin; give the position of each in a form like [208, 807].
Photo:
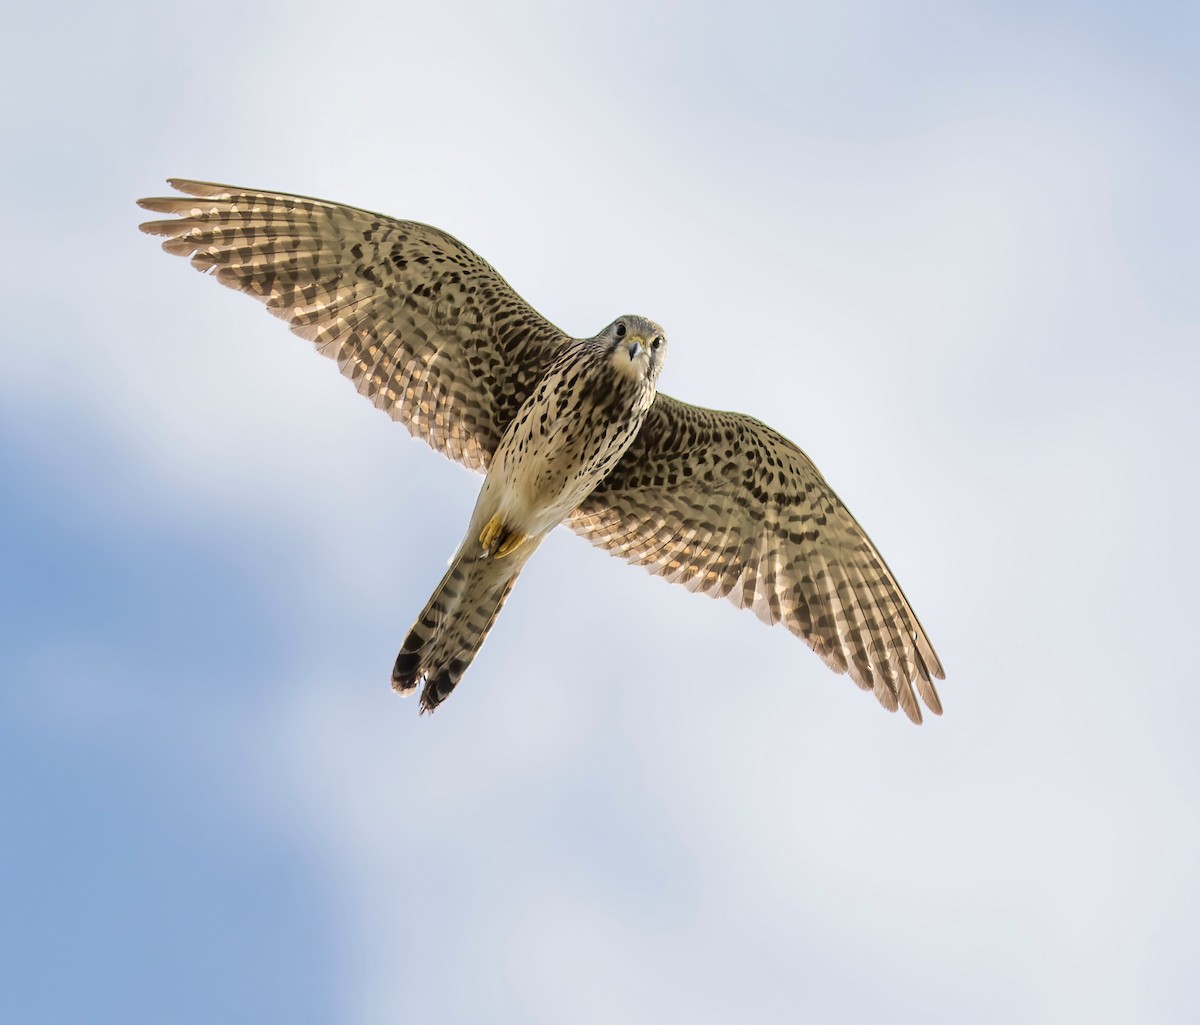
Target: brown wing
[726, 506]
[424, 327]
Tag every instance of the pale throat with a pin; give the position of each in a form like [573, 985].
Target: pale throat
[631, 369]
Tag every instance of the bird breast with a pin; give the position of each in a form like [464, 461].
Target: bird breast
[564, 440]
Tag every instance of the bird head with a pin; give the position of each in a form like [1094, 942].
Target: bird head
[636, 346]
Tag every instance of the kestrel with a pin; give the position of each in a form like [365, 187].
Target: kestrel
[566, 430]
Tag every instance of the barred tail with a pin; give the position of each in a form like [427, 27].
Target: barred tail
[452, 626]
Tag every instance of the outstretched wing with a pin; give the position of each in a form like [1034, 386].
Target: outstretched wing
[424, 327]
[726, 506]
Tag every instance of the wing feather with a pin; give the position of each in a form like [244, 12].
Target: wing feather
[726, 506]
[425, 328]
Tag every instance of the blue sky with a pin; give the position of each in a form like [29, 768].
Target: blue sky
[949, 249]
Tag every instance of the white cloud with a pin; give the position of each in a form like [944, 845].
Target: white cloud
[953, 303]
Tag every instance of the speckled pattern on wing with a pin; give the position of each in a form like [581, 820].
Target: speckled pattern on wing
[724, 505]
[426, 329]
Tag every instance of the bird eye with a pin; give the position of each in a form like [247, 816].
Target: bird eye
[620, 330]
[657, 343]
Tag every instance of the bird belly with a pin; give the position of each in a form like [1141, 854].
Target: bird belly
[539, 476]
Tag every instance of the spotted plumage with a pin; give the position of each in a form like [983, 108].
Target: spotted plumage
[565, 430]
[564, 439]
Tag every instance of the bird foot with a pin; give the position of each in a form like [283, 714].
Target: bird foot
[490, 533]
[512, 541]
[499, 542]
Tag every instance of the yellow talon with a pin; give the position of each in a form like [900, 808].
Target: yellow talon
[492, 531]
[498, 542]
[510, 544]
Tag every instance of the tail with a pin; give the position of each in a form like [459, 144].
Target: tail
[452, 626]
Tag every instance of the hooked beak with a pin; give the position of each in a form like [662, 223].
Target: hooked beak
[635, 346]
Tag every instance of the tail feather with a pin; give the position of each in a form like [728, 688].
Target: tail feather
[451, 628]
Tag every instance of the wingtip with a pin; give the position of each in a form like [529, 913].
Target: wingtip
[191, 187]
[934, 705]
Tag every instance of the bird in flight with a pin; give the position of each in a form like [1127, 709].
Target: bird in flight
[565, 430]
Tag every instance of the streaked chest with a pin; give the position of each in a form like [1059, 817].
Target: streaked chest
[572, 431]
